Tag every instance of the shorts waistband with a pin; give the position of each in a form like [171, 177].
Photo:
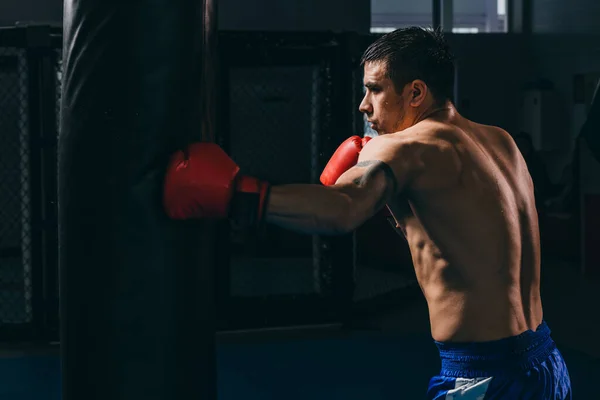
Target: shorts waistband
[499, 357]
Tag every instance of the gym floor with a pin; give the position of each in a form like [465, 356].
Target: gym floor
[390, 357]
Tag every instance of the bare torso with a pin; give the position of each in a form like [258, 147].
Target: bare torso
[473, 233]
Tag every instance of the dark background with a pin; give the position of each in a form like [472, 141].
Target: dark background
[531, 69]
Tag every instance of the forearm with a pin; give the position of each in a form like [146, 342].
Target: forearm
[359, 194]
[312, 209]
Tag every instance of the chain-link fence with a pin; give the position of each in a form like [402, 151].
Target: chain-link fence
[15, 195]
[278, 121]
[273, 130]
[27, 127]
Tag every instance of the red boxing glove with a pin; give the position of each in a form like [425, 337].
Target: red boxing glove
[344, 158]
[203, 182]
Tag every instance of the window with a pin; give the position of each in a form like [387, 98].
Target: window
[502, 20]
[387, 15]
[464, 29]
[502, 7]
[468, 16]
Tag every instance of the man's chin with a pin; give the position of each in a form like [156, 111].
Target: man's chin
[376, 129]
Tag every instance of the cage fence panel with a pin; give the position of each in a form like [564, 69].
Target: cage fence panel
[276, 122]
[28, 229]
[273, 125]
[15, 200]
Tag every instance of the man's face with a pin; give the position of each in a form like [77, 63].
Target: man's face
[383, 106]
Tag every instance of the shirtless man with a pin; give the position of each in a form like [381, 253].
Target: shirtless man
[460, 193]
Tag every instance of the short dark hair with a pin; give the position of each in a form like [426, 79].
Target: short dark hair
[416, 53]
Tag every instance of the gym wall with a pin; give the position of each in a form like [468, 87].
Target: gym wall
[559, 16]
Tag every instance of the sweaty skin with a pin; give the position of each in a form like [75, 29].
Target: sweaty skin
[462, 196]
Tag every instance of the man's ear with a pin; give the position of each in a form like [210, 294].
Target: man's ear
[418, 92]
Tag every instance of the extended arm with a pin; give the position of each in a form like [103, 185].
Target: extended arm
[358, 194]
[203, 182]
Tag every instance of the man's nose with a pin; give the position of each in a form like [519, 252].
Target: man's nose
[365, 106]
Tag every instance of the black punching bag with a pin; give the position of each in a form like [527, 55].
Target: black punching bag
[136, 288]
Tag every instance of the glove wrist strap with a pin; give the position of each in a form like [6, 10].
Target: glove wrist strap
[249, 204]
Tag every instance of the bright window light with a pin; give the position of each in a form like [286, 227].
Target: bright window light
[501, 7]
[383, 29]
[465, 30]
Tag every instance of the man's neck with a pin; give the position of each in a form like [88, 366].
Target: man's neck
[434, 110]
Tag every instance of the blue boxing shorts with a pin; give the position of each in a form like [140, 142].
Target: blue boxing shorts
[526, 366]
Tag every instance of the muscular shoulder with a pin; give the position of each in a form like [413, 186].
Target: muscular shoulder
[415, 141]
[416, 153]
[496, 137]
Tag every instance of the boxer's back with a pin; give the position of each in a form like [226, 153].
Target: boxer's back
[472, 227]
